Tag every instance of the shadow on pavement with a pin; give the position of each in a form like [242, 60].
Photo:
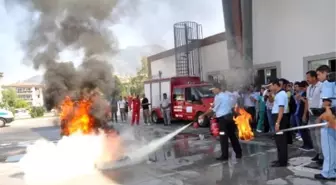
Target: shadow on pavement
[48, 132]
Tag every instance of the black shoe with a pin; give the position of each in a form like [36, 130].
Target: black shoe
[222, 158]
[320, 162]
[316, 158]
[321, 177]
[274, 162]
[276, 165]
[306, 148]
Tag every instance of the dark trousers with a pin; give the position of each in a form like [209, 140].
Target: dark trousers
[281, 140]
[114, 116]
[266, 124]
[305, 133]
[252, 111]
[289, 134]
[226, 132]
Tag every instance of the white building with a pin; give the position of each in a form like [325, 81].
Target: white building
[1, 76]
[293, 37]
[288, 39]
[213, 53]
[32, 93]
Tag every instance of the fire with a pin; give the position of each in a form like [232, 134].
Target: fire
[243, 123]
[76, 119]
[75, 116]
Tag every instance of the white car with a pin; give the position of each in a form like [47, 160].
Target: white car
[5, 117]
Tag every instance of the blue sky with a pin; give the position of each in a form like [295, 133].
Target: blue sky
[153, 24]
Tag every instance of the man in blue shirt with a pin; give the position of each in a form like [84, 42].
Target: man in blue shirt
[281, 122]
[328, 135]
[223, 112]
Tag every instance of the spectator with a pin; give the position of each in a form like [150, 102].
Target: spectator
[165, 109]
[301, 115]
[328, 135]
[283, 83]
[145, 109]
[136, 110]
[280, 119]
[269, 97]
[249, 104]
[114, 109]
[262, 108]
[126, 108]
[292, 110]
[313, 96]
[122, 107]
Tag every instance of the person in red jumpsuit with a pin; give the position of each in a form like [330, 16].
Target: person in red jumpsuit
[136, 110]
[129, 100]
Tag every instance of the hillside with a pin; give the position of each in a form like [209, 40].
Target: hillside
[125, 62]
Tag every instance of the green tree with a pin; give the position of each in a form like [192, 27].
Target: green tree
[9, 97]
[136, 84]
[20, 103]
[11, 100]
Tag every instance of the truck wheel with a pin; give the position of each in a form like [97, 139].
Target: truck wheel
[155, 118]
[2, 122]
[206, 121]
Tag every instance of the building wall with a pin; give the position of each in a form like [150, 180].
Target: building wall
[165, 65]
[32, 94]
[287, 32]
[214, 59]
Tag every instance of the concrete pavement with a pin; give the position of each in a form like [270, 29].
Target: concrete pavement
[187, 159]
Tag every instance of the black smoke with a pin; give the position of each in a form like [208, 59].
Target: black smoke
[77, 25]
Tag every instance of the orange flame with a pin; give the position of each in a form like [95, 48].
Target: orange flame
[75, 116]
[243, 123]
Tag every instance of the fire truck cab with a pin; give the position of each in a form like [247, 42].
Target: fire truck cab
[188, 95]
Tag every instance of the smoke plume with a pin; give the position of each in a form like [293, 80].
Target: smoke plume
[72, 25]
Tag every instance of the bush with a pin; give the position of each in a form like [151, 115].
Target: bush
[37, 112]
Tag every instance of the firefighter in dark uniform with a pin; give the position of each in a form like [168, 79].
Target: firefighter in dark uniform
[281, 122]
[222, 109]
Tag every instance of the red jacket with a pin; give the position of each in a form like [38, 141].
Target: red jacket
[136, 104]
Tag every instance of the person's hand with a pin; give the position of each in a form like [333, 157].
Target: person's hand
[277, 127]
[327, 115]
[326, 104]
[304, 118]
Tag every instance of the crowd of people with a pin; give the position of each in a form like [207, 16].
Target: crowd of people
[283, 104]
[276, 106]
[133, 104]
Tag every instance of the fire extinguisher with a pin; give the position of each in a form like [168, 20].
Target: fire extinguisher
[214, 127]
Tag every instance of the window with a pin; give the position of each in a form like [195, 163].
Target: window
[313, 65]
[178, 94]
[332, 64]
[215, 78]
[191, 94]
[265, 75]
[204, 91]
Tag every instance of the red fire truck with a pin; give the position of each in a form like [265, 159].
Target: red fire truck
[189, 98]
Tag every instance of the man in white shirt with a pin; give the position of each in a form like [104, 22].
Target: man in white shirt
[121, 105]
[249, 104]
[165, 108]
[313, 96]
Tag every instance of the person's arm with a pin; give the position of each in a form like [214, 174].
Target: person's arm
[328, 117]
[282, 104]
[212, 108]
[270, 98]
[305, 111]
[253, 98]
[327, 92]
